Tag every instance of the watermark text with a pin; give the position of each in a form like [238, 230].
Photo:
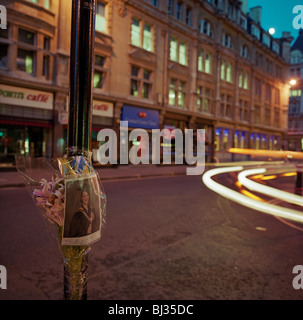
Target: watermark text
[3, 277]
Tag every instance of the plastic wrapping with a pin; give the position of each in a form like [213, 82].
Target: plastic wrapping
[68, 192]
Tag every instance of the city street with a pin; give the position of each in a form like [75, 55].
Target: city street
[165, 238]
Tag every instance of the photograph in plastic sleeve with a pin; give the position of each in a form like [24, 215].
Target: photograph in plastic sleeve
[82, 219]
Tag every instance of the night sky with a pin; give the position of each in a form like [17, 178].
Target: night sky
[277, 14]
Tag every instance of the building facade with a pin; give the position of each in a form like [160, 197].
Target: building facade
[295, 116]
[187, 64]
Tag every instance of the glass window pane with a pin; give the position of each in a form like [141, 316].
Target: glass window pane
[135, 33]
[47, 4]
[173, 83]
[147, 38]
[26, 36]
[206, 105]
[134, 88]
[146, 90]
[46, 43]
[100, 23]
[228, 72]
[45, 71]
[135, 71]
[25, 61]
[100, 60]
[208, 63]
[200, 61]
[100, 19]
[182, 53]
[100, 10]
[3, 56]
[181, 99]
[173, 53]
[171, 97]
[146, 74]
[98, 80]
[222, 70]
[182, 86]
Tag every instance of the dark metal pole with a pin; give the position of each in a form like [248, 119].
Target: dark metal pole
[81, 89]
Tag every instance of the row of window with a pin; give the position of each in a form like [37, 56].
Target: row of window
[27, 51]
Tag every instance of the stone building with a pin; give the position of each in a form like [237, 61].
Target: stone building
[295, 115]
[187, 64]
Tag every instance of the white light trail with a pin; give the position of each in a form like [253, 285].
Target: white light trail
[269, 191]
[225, 192]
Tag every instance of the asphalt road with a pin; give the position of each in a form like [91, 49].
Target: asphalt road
[165, 238]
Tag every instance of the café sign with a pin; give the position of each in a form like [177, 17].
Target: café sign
[24, 97]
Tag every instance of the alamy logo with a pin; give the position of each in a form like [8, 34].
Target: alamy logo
[3, 277]
[298, 20]
[141, 149]
[3, 18]
[297, 282]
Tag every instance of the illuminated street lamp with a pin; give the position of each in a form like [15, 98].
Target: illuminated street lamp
[292, 82]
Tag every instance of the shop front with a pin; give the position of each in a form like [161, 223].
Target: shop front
[175, 121]
[26, 122]
[103, 113]
[139, 118]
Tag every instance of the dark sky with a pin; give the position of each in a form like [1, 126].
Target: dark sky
[277, 14]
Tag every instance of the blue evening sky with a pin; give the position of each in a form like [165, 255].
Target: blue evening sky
[277, 14]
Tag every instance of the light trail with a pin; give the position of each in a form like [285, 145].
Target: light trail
[269, 191]
[235, 196]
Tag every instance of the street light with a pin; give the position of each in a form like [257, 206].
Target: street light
[292, 82]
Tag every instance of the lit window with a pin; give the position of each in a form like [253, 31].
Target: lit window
[207, 63]
[182, 53]
[226, 71]
[26, 61]
[135, 32]
[204, 62]
[223, 70]
[141, 82]
[204, 102]
[178, 51]
[147, 38]
[177, 93]
[173, 53]
[47, 4]
[100, 19]
[141, 39]
[100, 72]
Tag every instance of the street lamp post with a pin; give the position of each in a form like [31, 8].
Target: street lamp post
[81, 61]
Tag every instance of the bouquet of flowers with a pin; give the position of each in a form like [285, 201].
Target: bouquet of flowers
[50, 187]
[50, 199]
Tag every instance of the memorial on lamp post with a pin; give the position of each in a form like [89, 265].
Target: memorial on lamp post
[70, 194]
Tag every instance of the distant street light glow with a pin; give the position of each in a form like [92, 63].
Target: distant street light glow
[272, 31]
[293, 82]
